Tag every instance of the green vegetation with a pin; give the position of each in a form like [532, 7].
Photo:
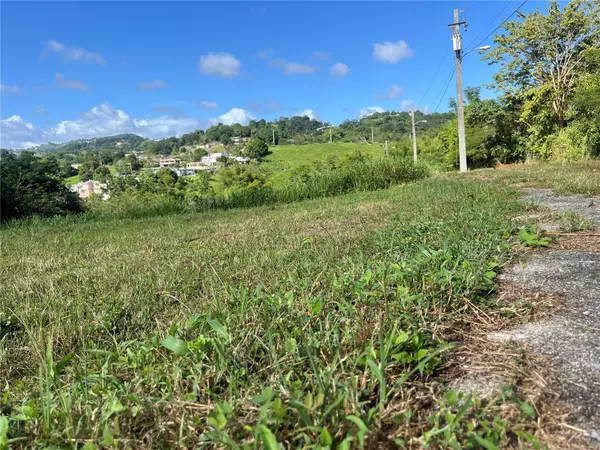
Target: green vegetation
[243, 186]
[32, 186]
[568, 178]
[303, 324]
[284, 159]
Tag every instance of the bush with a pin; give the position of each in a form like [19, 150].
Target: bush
[243, 186]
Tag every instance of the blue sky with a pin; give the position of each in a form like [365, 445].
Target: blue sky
[82, 69]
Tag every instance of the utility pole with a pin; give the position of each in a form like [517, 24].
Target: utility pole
[387, 153]
[457, 46]
[330, 138]
[414, 135]
[372, 134]
[273, 136]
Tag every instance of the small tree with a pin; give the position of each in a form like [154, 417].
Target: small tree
[238, 177]
[256, 148]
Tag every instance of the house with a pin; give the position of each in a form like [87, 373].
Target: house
[86, 188]
[196, 166]
[212, 158]
[239, 139]
[168, 162]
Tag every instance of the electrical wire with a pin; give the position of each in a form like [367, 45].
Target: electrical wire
[490, 24]
[434, 77]
[494, 30]
[445, 89]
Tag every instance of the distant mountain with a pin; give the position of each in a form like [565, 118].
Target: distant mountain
[118, 142]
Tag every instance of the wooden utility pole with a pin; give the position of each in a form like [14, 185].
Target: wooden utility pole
[460, 109]
[273, 136]
[372, 136]
[414, 135]
[330, 138]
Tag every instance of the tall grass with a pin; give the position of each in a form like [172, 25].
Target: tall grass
[367, 175]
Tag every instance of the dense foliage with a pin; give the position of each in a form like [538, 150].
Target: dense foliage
[548, 77]
[33, 186]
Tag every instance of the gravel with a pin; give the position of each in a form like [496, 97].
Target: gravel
[586, 206]
[571, 339]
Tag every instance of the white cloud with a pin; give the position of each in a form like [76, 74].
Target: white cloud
[265, 54]
[267, 106]
[152, 85]
[339, 70]
[234, 115]
[407, 105]
[102, 120]
[72, 53]
[6, 89]
[16, 133]
[292, 68]
[306, 112]
[40, 110]
[205, 104]
[223, 65]
[62, 83]
[391, 52]
[321, 56]
[365, 112]
[394, 91]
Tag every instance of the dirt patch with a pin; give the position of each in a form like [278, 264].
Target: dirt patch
[582, 241]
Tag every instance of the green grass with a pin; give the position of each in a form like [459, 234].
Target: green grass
[312, 324]
[285, 158]
[72, 180]
[568, 178]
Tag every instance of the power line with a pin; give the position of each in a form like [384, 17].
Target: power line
[494, 30]
[434, 78]
[445, 90]
[490, 24]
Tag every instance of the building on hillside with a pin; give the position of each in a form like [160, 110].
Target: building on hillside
[168, 161]
[239, 139]
[91, 187]
[196, 166]
[212, 158]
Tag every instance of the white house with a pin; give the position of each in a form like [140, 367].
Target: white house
[87, 188]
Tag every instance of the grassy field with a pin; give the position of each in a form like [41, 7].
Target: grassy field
[285, 158]
[325, 323]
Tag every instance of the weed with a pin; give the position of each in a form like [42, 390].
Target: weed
[531, 238]
[571, 221]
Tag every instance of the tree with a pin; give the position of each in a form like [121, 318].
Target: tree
[540, 57]
[238, 177]
[32, 186]
[473, 94]
[256, 148]
[101, 174]
[198, 153]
